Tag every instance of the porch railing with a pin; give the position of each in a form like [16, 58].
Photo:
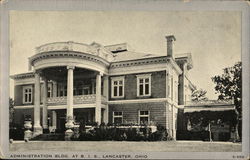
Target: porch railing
[79, 99]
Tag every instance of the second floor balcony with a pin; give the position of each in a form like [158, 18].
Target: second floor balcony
[79, 99]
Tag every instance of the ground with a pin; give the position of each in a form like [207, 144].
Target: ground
[125, 146]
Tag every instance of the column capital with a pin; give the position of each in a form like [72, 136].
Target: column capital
[70, 67]
[100, 73]
[38, 72]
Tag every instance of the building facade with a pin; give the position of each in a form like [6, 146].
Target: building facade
[70, 82]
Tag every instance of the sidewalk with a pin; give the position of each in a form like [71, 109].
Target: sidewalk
[126, 146]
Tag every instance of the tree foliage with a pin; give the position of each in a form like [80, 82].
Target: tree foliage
[199, 95]
[11, 110]
[229, 85]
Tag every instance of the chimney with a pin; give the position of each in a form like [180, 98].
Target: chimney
[170, 40]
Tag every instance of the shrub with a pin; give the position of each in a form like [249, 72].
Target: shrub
[16, 132]
[109, 132]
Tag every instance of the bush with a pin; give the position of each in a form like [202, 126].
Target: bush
[109, 132]
[16, 132]
[188, 135]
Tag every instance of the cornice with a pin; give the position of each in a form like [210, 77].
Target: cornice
[174, 64]
[67, 54]
[139, 62]
[23, 76]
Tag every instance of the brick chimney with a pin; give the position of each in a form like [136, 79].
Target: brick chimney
[170, 40]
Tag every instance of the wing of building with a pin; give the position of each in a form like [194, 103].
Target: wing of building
[69, 82]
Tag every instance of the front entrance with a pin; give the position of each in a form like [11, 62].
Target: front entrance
[86, 115]
[61, 120]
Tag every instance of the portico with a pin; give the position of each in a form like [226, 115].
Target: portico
[83, 91]
[78, 80]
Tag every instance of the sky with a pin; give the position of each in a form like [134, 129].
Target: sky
[213, 38]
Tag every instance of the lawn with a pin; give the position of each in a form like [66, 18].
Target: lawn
[125, 146]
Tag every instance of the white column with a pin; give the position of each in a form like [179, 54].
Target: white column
[45, 106]
[167, 103]
[174, 129]
[106, 94]
[93, 87]
[54, 119]
[69, 123]
[98, 99]
[37, 125]
[105, 86]
[54, 94]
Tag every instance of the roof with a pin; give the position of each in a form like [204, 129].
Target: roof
[131, 55]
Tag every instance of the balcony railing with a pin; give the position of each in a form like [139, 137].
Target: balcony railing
[78, 47]
[80, 99]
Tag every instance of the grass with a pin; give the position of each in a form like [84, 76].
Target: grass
[125, 146]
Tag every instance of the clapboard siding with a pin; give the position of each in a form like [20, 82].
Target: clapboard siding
[130, 112]
[158, 85]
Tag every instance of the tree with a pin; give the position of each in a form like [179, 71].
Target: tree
[11, 111]
[229, 87]
[199, 95]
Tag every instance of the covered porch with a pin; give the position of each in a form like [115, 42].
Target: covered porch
[72, 94]
[86, 116]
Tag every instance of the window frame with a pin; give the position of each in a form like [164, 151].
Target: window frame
[31, 94]
[119, 116]
[113, 79]
[49, 90]
[143, 76]
[62, 88]
[139, 116]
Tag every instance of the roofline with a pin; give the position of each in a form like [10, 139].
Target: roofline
[137, 59]
[20, 75]
[115, 44]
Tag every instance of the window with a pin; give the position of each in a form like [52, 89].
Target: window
[62, 89]
[49, 90]
[117, 117]
[86, 90]
[144, 85]
[27, 94]
[117, 87]
[74, 91]
[143, 117]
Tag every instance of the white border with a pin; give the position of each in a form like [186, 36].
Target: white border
[145, 5]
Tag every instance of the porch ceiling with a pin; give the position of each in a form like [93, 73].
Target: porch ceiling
[60, 73]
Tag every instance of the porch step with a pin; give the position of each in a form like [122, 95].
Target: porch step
[49, 137]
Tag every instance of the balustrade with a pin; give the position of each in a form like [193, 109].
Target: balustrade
[79, 99]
